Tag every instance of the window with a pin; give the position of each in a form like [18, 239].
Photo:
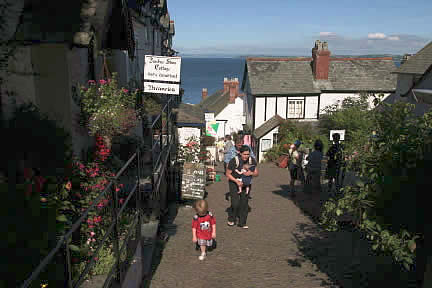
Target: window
[275, 139]
[295, 108]
[265, 144]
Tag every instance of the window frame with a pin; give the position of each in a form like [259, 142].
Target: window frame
[292, 105]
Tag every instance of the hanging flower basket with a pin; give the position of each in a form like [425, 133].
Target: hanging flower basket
[108, 110]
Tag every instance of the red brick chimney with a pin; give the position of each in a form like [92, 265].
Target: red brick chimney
[204, 93]
[226, 84]
[233, 89]
[320, 60]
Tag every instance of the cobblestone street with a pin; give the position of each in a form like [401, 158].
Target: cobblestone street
[283, 247]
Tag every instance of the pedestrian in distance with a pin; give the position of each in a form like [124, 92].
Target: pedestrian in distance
[220, 149]
[313, 168]
[294, 165]
[227, 150]
[335, 163]
[203, 228]
[239, 202]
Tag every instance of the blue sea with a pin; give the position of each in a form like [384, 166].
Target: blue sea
[198, 73]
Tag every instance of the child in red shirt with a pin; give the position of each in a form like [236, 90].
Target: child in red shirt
[203, 227]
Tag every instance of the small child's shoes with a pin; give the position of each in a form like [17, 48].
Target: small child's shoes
[202, 257]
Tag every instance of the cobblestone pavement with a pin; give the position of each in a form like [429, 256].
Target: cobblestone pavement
[283, 247]
[265, 255]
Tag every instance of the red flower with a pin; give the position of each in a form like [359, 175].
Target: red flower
[97, 219]
[39, 181]
[89, 221]
[117, 189]
[102, 82]
[91, 82]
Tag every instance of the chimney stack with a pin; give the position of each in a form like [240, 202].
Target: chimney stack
[204, 93]
[405, 58]
[233, 89]
[320, 60]
[226, 84]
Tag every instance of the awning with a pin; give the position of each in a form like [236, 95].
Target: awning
[423, 95]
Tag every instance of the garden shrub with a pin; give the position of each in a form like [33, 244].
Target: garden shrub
[385, 201]
[34, 142]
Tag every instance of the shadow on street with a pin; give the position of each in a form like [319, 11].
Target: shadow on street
[345, 256]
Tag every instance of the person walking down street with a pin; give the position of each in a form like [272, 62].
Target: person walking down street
[227, 151]
[335, 163]
[294, 165]
[239, 201]
[203, 228]
[313, 168]
[220, 149]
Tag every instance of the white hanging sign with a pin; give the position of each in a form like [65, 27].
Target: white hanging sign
[161, 88]
[162, 68]
[341, 133]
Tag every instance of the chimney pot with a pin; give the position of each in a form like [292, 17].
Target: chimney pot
[204, 93]
[226, 84]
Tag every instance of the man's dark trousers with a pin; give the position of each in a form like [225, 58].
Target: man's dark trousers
[239, 205]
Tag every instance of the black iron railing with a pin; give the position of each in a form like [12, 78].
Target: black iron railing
[131, 208]
[139, 201]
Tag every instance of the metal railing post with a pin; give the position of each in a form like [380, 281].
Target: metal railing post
[116, 233]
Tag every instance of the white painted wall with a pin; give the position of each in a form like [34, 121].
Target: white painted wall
[234, 114]
[259, 111]
[333, 98]
[281, 106]
[271, 107]
[311, 107]
[267, 136]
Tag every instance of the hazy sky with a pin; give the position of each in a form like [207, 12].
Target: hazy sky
[290, 27]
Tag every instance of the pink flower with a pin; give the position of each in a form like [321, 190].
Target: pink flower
[117, 189]
[102, 82]
[93, 240]
[121, 200]
[125, 90]
[91, 82]
[92, 233]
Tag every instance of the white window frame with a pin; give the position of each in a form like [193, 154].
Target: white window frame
[295, 108]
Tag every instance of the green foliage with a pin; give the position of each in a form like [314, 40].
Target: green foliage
[353, 115]
[389, 165]
[289, 131]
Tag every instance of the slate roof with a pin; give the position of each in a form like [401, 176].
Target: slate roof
[275, 76]
[216, 102]
[267, 126]
[419, 63]
[189, 114]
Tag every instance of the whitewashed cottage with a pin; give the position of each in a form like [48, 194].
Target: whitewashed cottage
[299, 88]
[227, 107]
[414, 81]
